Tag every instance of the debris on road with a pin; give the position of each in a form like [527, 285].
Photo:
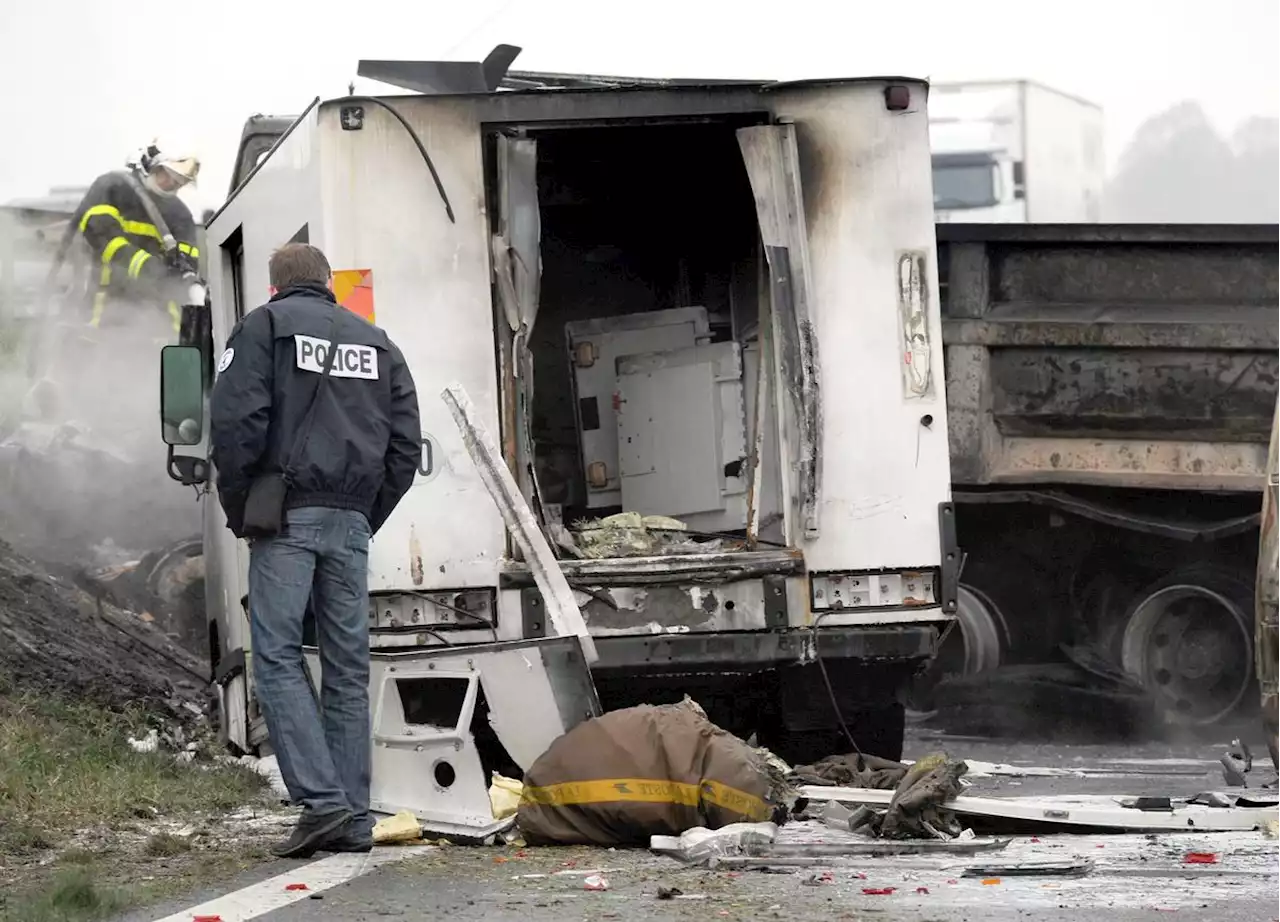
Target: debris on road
[708, 847]
[399, 829]
[1236, 763]
[639, 772]
[920, 792]
[596, 883]
[1092, 812]
[504, 796]
[1031, 869]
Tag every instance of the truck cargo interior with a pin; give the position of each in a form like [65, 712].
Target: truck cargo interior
[644, 350]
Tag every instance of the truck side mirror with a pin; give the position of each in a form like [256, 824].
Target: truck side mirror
[181, 395]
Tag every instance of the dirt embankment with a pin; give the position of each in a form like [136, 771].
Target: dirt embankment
[57, 636]
[83, 518]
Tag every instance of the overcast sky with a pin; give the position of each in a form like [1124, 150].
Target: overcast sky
[87, 83]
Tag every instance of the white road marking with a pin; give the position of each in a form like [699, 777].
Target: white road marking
[318, 876]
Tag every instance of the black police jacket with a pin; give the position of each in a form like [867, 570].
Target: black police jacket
[365, 442]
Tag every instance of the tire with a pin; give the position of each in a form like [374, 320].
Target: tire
[975, 644]
[1188, 638]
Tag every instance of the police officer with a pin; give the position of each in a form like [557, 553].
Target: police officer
[315, 439]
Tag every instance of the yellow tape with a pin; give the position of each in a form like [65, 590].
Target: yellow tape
[650, 791]
[193, 252]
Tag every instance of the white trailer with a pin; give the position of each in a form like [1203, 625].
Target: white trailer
[1015, 152]
[799, 413]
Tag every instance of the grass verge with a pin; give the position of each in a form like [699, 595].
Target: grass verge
[67, 768]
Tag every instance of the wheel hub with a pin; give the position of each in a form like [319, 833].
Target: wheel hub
[1190, 646]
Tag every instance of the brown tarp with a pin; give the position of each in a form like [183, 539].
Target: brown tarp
[640, 772]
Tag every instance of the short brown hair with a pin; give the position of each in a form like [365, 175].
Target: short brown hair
[298, 264]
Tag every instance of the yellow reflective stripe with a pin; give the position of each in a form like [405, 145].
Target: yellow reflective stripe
[99, 304]
[97, 210]
[109, 253]
[175, 312]
[651, 791]
[139, 260]
[140, 228]
[193, 252]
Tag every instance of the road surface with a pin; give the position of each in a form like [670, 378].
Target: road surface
[1135, 877]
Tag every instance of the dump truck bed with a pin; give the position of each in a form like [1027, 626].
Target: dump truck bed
[1136, 356]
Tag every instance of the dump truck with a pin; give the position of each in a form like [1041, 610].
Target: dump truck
[701, 319]
[1015, 151]
[1111, 391]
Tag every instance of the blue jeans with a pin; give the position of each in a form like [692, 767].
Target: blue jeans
[323, 746]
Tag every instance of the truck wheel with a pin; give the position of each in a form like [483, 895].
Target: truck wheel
[1189, 642]
[975, 644]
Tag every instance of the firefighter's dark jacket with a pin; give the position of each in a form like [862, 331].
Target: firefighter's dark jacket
[126, 245]
[365, 442]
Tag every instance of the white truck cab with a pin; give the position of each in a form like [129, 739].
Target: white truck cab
[1012, 152]
[702, 319]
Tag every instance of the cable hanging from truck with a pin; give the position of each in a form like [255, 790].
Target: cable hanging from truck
[422, 149]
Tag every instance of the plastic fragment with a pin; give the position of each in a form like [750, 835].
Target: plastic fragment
[596, 883]
[1200, 858]
[991, 881]
[296, 887]
[206, 919]
[879, 891]
[922, 890]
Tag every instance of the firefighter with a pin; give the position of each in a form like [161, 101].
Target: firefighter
[142, 260]
[142, 236]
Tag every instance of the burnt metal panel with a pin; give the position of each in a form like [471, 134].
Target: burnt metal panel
[1117, 355]
[658, 654]
[677, 569]
[775, 602]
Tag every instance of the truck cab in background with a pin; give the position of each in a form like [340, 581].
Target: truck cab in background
[702, 319]
[1014, 152]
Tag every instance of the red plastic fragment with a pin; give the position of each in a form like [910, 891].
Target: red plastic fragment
[206, 919]
[1200, 858]
[879, 891]
[922, 889]
[295, 886]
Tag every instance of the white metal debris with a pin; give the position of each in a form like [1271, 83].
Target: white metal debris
[1082, 811]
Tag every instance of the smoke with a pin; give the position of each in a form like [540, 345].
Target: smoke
[82, 464]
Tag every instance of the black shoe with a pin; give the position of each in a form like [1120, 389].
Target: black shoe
[349, 843]
[312, 832]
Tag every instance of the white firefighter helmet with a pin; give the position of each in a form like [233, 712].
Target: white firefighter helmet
[167, 171]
